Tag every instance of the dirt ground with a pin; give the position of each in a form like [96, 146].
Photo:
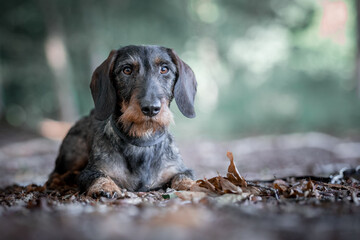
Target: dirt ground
[291, 208]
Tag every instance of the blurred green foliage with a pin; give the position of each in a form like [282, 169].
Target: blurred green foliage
[262, 66]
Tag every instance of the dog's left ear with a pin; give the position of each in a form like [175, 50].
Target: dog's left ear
[185, 86]
[102, 89]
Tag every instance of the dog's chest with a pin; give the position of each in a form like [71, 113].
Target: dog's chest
[136, 169]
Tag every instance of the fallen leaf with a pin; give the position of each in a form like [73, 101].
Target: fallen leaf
[233, 174]
[228, 187]
[216, 183]
[197, 188]
[253, 190]
[281, 185]
[206, 184]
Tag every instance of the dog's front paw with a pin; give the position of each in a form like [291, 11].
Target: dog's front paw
[182, 183]
[104, 187]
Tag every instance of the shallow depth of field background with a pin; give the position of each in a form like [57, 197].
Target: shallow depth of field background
[263, 67]
[277, 87]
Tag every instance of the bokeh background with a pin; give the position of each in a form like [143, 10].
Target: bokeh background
[277, 80]
[263, 67]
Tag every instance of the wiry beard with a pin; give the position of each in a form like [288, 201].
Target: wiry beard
[136, 124]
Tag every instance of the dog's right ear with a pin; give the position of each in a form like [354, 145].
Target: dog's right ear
[102, 89]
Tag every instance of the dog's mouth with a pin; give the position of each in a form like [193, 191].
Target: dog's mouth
[138, 124]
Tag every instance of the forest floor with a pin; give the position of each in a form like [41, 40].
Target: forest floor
[283, 188]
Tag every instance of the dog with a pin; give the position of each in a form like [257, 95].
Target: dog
[124, 142]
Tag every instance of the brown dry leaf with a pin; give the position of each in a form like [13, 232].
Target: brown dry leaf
[233, 183]
[310, 185]
[206, 184]
[303, 188]
[311, 190]
[201, 183]
[233, 174]
[281, 185]
[252, 190]
[196, 188]
[216, 183]
[219, 185]
[339, 186]
[228, 187]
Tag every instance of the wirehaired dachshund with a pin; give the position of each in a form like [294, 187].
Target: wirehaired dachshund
[124, 143]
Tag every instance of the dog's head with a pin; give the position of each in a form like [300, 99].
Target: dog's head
[138, 83]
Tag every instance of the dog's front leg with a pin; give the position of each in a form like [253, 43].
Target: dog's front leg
[183, 181]
[95, 183]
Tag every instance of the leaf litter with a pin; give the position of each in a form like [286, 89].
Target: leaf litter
[207, 204]
[229, 188]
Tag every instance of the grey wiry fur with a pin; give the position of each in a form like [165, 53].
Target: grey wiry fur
[96, 148]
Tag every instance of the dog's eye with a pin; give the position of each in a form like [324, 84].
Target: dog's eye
[164, 70]
[127, 70]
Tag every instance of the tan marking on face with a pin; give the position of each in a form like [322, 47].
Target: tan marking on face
[158, 61]
[139, 125]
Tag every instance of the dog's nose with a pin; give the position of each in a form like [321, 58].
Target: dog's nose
[151, 109]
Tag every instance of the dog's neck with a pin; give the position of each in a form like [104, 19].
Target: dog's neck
[147, 141]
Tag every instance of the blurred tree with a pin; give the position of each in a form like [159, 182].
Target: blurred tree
[262, 67]
[357, 4]
[1, 93]
[56, 54]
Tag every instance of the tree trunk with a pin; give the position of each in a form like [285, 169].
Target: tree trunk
[1, 95]
[358, 45]
[57, 57]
